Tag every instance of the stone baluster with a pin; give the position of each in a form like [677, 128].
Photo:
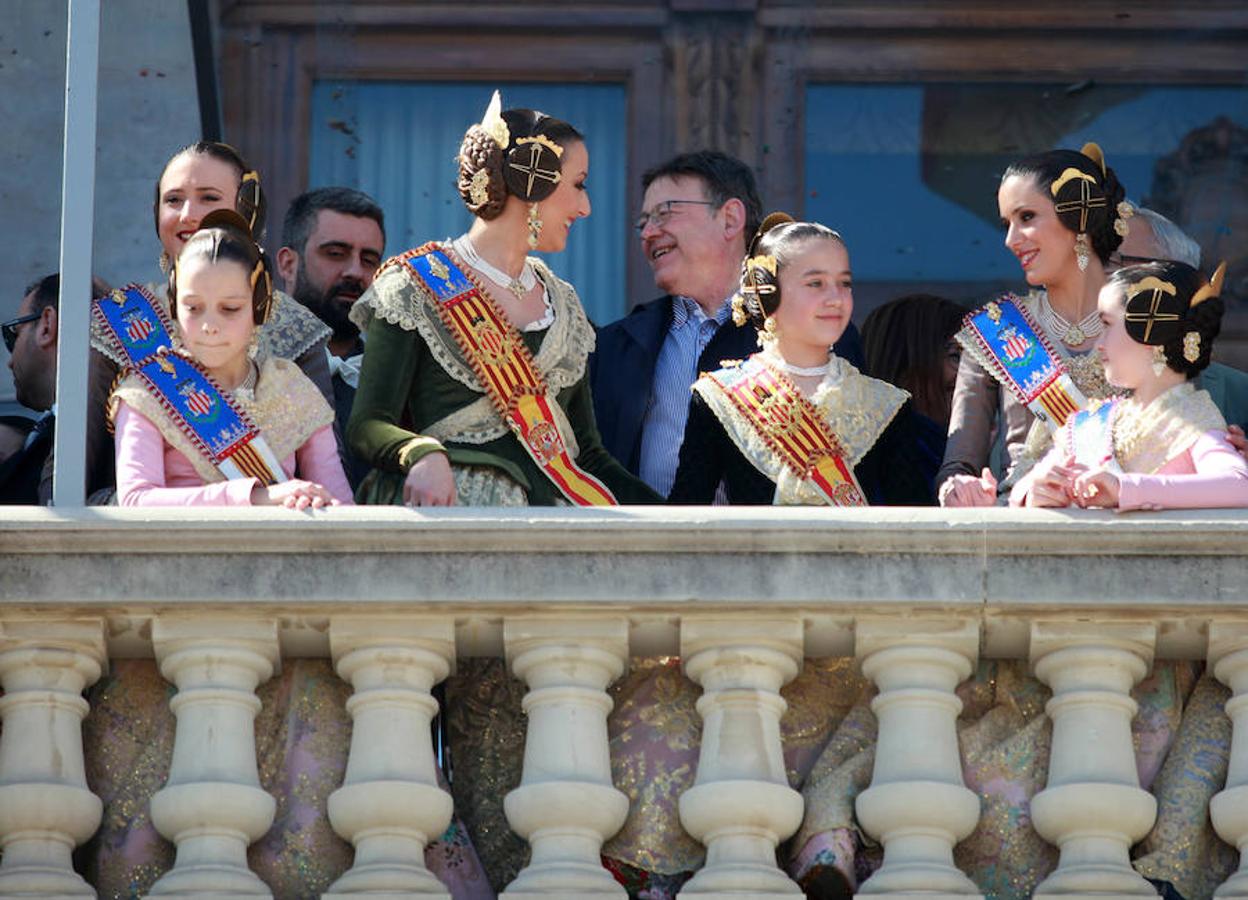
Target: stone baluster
[212, 806]
[917, 806]
[1228, 660]
[741, 805]
[46, 808]
[390, 805]
[566, 804]
[1093, 807]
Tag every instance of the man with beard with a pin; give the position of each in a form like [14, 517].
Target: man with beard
[332, 243]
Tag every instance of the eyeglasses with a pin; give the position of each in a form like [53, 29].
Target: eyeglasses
[662, 212]
[1122, 260]
[9, 329]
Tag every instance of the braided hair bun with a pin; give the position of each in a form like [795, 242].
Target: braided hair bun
[515, 152]
[1172, 306]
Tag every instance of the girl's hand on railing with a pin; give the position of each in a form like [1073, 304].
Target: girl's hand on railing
[293, 494]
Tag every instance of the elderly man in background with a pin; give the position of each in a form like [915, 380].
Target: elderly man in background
[699, 213]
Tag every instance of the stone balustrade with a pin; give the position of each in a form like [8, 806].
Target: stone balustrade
[394, 597]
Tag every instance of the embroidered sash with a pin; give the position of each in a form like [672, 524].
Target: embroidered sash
[792, 428]
[505, 369]
[209, 418]
[1091, 436]
[1019, 355]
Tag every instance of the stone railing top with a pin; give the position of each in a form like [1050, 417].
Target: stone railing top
[1005, 567]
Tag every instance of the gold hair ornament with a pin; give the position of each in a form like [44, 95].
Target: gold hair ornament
[1213, 288]
[1191, 346]
[1092, 151]
[479, 191]
[544, 141]
[1159, 293]
[1125, 211]
[492, 123]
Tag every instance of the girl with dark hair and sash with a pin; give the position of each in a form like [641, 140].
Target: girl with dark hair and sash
[794, 424]
[473, 387]
[1164, 446]
[198, 421]
[1028, 364]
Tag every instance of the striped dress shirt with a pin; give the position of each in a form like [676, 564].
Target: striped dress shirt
[675, 371]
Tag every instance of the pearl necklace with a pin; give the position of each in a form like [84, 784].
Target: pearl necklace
[1072, 334]
[520, 285]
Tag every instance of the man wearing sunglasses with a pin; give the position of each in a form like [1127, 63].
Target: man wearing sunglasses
[699, 212]
[30, 338]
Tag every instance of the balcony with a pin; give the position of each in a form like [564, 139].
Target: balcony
[396, 599]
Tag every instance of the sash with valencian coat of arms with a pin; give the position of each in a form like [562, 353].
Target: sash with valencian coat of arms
[220, 430]
[790, 426]
[506, 370]
[1003, 337]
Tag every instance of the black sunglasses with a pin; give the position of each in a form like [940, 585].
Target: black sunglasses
[9, 329]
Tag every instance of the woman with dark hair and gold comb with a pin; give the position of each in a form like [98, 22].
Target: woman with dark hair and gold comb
[795, 424]
[473, 389]
[1164, 446]
[1028, 363]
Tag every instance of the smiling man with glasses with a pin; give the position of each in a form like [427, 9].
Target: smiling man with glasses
[699, 212]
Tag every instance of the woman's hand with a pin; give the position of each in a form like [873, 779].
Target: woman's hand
[967, 490]
[1051, 485]
[429, 482]
[293, 494]
[1098, 488]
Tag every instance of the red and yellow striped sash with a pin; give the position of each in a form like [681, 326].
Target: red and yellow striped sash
[792, 428]
[507, 371]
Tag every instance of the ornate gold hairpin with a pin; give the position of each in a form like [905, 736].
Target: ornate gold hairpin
[1213, 288]
[492, 123]
[765, 262]
[1069, 175]
[1152, 310]
[1093, 151]
[544, 141]
[479, 190]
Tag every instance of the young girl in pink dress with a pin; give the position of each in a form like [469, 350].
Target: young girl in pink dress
[1164, 446]
[205, 424]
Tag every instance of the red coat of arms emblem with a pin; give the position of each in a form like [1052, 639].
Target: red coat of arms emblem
[199, 402]
[1014, 344]
[139, 329]
[545, 442]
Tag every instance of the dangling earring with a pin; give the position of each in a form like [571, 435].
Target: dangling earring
[1159, 361]
[535, 226]
[165, 262]
[769, 333]
[253, 345]
[1083, 251]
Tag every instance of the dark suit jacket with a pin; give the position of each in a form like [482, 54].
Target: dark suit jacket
[24, 473]
[621, 370]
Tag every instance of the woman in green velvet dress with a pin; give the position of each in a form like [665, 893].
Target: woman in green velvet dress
[430, 418]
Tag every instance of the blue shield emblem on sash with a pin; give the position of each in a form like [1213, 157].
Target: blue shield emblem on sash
[1016, 348]
[200, 405]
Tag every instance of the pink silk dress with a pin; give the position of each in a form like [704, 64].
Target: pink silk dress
[152, 473]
